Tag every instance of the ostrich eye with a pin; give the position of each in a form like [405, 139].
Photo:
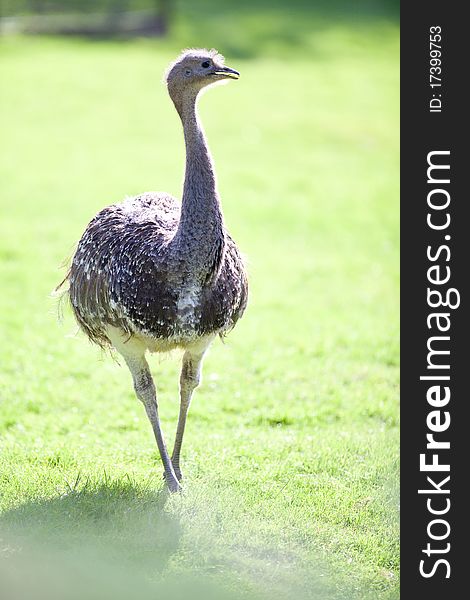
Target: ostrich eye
[206, 64]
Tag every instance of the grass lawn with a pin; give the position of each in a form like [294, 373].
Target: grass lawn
[291, 449]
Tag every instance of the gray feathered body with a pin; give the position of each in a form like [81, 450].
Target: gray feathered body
[132, 271]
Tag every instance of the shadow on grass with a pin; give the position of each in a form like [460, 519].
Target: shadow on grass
[121, 520]
[111, 539]
[119, 540]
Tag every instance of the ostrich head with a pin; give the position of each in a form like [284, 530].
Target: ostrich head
[194, 70]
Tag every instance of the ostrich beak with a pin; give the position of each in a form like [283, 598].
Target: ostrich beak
[227, 72]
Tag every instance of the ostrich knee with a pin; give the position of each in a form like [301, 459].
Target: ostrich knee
[190, 378]
[145, 389]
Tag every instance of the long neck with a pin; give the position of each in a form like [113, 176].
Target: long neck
[201, 227]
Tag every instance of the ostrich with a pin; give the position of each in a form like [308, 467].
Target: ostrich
[152, 274]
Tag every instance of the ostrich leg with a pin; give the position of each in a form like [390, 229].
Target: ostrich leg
[145, 391]
[189, 379]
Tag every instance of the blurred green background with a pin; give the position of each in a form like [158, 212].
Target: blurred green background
[291, 450]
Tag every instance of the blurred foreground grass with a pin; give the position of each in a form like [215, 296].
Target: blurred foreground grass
[291, 451]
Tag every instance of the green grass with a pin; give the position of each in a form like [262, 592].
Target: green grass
[291, 450]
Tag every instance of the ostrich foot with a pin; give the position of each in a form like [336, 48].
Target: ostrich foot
[172, 482]
[177, 472]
